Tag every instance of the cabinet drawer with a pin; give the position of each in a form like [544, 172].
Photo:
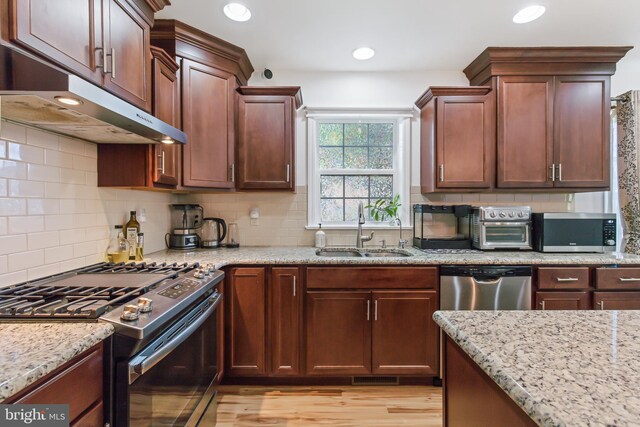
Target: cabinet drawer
[79, 385]
[372, 277]
[617, 278]
[563, 278]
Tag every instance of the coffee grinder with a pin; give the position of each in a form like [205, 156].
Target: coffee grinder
[186, 219]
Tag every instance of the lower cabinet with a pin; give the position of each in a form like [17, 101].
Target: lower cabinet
[575, 300]
[371, 332]
[285, 310]
[616, 300]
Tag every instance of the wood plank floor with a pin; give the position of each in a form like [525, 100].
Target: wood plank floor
[329, 405]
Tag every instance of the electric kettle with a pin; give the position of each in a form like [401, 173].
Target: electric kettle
[212, 232]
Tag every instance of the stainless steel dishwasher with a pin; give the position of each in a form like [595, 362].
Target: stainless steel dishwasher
[485, 287]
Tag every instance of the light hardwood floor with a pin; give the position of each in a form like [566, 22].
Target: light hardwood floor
[329, 405]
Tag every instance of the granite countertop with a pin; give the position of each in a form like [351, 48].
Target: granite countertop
[32, 350]
[564, 368]
[221, 257]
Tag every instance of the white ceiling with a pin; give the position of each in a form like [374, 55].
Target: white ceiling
[408, 35]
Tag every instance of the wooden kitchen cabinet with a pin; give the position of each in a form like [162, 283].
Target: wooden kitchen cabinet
[338, 330]
[245, 345]
[616, 300]
[266, 137]
[79, 383]
[623, 278]
[284, 319]
[552, 114]
[457, 139]
[576, 300]
[563, 277]
[404, 335]
[152, 165]
[104, 41]
[211, 70]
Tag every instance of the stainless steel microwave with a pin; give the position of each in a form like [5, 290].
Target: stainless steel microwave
[574, 232]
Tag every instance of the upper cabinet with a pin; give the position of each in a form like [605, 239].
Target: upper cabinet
[210, 72]
[104, 41]
[457, 135]
[266, 137]
[552, 108]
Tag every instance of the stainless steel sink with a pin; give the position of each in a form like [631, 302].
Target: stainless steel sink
[339, 252]
[387, 253]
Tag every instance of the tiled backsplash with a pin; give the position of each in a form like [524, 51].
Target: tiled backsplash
[283, 216]
[53, 216]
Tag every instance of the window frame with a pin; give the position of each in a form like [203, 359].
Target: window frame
[401, 165]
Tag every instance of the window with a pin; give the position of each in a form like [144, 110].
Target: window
[356, 158]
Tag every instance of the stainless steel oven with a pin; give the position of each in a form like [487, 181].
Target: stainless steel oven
[502, 228]
[171, 381]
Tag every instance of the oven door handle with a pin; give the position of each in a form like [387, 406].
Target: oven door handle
[140, 365]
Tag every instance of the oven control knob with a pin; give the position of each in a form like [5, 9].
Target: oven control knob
[520, 214]
[130, 312]
[492, 214]
[145, 305]
[511, 214]
[610, 242]
[502, 214]
[199, 274]
[210, 268]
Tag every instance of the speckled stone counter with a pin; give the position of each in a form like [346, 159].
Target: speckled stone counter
[29, 351]
[307, 255]
[564, 368]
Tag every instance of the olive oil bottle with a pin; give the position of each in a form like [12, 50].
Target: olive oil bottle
[132, 229]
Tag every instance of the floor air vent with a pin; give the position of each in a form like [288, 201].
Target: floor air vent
[375, 381]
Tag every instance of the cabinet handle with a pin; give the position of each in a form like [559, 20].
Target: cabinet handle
[441, 173]
[294, 286]
[104, 60]
[559, 171]
[368, 309]
[567, 279]
[601, 305]
[233, 172]
[288, 172]
[161, 162]
[375, 310]
[113, 63]
[629, 279]
[542, 304]
[553, 172]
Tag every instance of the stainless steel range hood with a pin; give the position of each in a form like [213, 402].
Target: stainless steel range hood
[30, 90]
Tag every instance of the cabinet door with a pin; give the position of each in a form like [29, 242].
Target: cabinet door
[338, 331]
[208, 99]
[563, 301]
[525, 132]
[127, 41]
[68, 32]
[165, 107]
[265, 142]
[616, 300]
[246, 298]
[464, 141]
[581, 131]
[405, 337]
[284, 320]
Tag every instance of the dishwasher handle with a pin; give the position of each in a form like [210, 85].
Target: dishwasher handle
[487, 280]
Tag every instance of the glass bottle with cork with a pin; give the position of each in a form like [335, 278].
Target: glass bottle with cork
[118, 249]
[132, 229]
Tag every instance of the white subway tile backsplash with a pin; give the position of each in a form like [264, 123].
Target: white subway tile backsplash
[72, 236]
[25, 188]
[3, 149]
[13, 278]
[9, 206]
[13, 244]
[4, 225]
[58, 253]
[11, 169]
[42, 271]
[42, 139]
[46, 239]
[84, 249]
[43, 173]
[73, 146]
[25, 224]
[72, 176]
[25, 153]
[58, 158]
[43, 206]
[85, 163]
[59, 222]
[25, 260]
[3, 187]
[12, 132]
[73, 263]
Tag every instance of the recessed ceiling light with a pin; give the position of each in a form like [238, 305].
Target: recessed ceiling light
[67, 101]
[363, 53]
[166, 140]
[528, 14]
[237, 12]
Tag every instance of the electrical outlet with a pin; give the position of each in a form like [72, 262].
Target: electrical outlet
[255, 221]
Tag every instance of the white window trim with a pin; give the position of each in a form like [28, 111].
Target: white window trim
[401, 168]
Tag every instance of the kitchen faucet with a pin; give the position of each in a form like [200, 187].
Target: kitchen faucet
[401, 242]
[359, 237]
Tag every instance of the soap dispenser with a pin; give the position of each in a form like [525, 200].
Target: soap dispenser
[321, 238]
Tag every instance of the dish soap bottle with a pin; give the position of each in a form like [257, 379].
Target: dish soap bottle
[118, 249]
[132, 228]
[321, 238]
